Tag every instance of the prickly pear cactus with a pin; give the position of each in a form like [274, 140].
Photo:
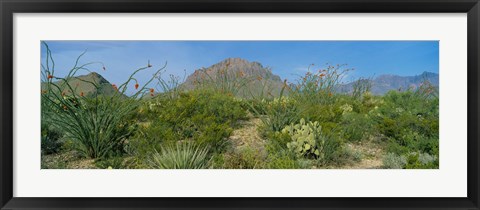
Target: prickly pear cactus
[306, 139]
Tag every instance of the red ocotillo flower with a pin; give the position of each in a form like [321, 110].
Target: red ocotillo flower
[241, 74]
[50, 76]
[151, 90]
[136, 86]
[115, 86]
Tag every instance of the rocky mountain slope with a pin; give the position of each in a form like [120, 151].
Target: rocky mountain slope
[251, 77]
[79, 85]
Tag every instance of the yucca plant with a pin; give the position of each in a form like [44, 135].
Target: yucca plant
[97, 124]
[183, 155]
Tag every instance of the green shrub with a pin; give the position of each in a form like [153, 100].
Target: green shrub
[394, 161]
[412, 160]
[217, 161]
[410, 120]
[51, 140]
[110, 163]
[214, 135]
[351, 155]
[280, 112]
[404, 140]
[281, 161]
[276, 141]
[183, 155]
[244, 158]
[276, 112]
[279, 156]
[417, 160]
[369, 103]
[61, 164]
[356, 127]
[322, 113]
[203, 116]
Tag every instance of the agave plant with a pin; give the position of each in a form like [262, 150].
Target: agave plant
[180, 156]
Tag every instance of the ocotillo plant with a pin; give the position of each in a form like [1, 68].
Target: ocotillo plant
[361, 86]
[97, 124]
[319, 87]
[170, 86]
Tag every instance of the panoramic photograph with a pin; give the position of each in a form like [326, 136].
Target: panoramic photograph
[239, 104]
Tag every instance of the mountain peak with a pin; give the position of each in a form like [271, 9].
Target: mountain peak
[93, 77]
[233, 62]
[235, 67]
[82, 84]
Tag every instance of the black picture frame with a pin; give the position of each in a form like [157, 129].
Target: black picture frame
[9, 7]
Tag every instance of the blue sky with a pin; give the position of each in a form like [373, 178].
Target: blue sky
[287, 59]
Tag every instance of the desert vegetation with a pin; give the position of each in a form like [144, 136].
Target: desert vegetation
[228, 118]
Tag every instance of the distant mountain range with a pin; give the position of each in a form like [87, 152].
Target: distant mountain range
[380, 84]
[387, 82]
[259, 78]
